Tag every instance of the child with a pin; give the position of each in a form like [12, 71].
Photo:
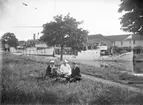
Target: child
[75, 76]
[50, 69]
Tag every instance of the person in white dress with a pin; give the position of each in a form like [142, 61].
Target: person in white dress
[65, 69]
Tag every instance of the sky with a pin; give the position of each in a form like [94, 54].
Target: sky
[99, 16]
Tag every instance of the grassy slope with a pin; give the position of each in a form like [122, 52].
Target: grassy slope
[105, 73]
[19, 87]
[108, 73]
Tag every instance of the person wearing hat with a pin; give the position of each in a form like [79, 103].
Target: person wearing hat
[65, 69]
[75, 75]
[50, 68]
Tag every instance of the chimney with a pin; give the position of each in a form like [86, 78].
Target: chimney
[34, 36]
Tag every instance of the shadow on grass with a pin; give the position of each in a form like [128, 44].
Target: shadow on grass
[11, 61]
[19, 97]
[121, 97]
[15, 96]
[136, 98]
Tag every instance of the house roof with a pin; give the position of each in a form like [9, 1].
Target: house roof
[41, 45]
[117, 37]
[134, 37]
[137, 37]
[21, 42]
[97, 38]
[112, 38]
[20, 47]
[35, 41]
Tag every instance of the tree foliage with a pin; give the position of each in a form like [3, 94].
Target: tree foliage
[132, 20]
[30, 43]
[10, 39]
[64, 31]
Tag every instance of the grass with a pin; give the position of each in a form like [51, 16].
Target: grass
[109, 73]
[20, 87]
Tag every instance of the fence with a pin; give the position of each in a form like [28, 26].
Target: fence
[34, 51]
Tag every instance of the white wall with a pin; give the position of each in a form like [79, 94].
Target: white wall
[12, 49]
[129, 43]
[124, 44]
[138, 43]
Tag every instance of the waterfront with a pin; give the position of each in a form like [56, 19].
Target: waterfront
[131, 67]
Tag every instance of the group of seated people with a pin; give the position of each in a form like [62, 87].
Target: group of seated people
[70, 72]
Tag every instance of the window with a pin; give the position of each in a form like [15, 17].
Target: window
[89, 47]
[121, 42]
[134, 41]
[130, 41]
[114, 43]
[95, 47]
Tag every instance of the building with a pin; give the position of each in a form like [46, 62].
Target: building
[94, 40]
[41, 45]
[134, 41]
[119, 40]
[128, 40]
[21, 43]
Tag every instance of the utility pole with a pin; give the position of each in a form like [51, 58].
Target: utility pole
[38, 35]
[34, 37]
[54, 7]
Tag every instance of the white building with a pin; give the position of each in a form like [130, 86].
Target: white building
[126, 40]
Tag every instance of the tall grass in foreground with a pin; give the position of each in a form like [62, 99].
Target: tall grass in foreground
[18, 87]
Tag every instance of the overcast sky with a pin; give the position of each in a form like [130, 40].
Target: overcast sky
[99, 16]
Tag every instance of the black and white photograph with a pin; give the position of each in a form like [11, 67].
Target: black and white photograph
[71, 52]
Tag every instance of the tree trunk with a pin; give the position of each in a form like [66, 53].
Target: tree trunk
[61, 58]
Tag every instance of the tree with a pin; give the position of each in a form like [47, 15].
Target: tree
[30, 43]
[10, 39]
[64, 31]
[132, 20]
[77, 41]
